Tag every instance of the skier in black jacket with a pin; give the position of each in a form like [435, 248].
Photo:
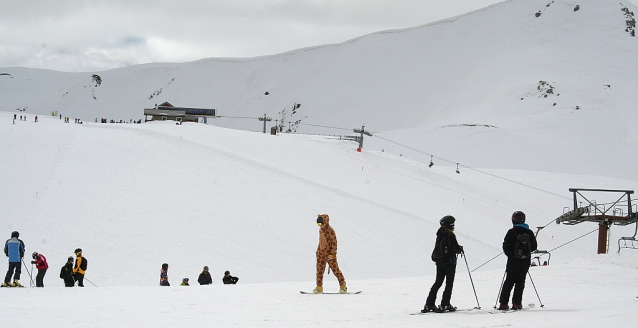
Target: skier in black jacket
[518, 244]
[204, 277]
[228, 279]
[66, 273]
[444, 255]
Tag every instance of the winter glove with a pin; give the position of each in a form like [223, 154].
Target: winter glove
[32, 262]
[330, 257]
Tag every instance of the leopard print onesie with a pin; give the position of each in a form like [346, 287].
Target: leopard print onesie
[327, 246]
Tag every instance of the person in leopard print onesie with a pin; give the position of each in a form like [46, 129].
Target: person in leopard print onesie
[327, 254]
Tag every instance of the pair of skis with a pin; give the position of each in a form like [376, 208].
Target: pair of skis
[495, 311]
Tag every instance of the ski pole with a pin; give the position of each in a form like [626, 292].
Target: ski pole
[539, 298]
[32, 271]
[478, 306]
[500, 289]
[31, 284]
[90, 282]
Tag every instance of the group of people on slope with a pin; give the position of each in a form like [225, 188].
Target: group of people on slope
[14, 249]
[204, 278]
[518, 244]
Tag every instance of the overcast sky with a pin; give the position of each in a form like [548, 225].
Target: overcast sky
[94, 35]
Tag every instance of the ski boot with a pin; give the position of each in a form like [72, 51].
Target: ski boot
[6, 284]
[16, 283]
[318, 290]
[430, 308]
[517, 306]
[503, 307]
[343, 289]
[447, 308]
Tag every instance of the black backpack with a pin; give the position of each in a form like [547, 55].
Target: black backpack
[522, 248]
[442, 250]
[84, 263]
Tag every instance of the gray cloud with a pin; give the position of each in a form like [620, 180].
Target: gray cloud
[74, 35]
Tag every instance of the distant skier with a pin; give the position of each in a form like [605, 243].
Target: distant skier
[444, 255]
[41, 264]
[228, 279]
[164, 275]
[14, 249]
[184, 282]
[327, 253]
[518, 244]
[66, 273]
[80, 267]
[204, 277]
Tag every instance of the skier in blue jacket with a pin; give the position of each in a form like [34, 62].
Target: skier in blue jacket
[14, 249]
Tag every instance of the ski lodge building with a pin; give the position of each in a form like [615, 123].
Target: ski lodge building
[168, 112]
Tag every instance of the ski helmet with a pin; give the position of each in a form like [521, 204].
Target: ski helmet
[206, 268]
[70, 258]
[78, 250]
[447, 221]
[319, 220]
[165, 266]
[518, 217]
[226, 273]
[34, 255]
[15, 234]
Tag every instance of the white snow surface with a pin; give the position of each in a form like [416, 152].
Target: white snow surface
[134, 196]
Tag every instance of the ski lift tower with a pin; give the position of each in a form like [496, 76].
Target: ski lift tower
[605, 214]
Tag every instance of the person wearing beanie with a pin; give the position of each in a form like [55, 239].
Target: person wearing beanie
[444, 255]
[66, 273]
[204, 277]
[14, 250]
[327, 254]
[80, 267]
[184, 282]
[518, 245]
[228, 279]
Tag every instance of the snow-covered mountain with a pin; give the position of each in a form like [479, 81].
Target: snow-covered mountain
[468, 89]
[478, 89]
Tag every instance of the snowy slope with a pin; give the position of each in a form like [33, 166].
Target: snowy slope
[465, 89]
[135, 196]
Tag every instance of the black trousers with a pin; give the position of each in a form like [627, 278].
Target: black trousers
[516, 273]
[17, 266]
[69, 282]
[39, 279]
[443, 272]
[79, 278]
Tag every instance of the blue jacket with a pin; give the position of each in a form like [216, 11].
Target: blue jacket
[14, 249]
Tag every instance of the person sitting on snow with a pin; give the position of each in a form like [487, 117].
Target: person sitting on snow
[228, 279]
[204, 277]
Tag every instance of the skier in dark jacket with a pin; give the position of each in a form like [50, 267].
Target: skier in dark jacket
[518, 244]
[228, 279]
[444, 255]
[204, 277]
[41, 264]
[14, 249]
[66, 273]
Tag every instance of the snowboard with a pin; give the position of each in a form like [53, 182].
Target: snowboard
[352, 293]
